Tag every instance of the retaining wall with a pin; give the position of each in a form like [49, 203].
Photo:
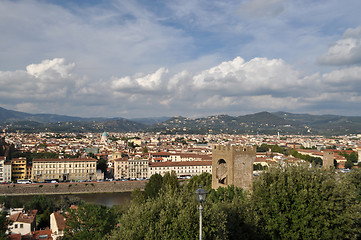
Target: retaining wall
[69, 188]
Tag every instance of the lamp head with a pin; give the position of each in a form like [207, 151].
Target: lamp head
[201, 194]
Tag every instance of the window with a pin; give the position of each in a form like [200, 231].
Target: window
[21, 225]
[16, 226]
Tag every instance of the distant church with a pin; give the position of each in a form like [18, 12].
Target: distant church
[104, 138]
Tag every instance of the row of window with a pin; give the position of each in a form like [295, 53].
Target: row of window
[61, 165]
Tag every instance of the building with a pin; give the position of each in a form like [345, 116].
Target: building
[57, 225]
[67, 169]
[2, 169]
[328, 159]
[18, 169]
[233, 165]
[23, 222]
[7, 171]
[121, 168]
[138, 168]
[182, 169]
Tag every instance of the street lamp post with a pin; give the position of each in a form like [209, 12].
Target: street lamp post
[201, 195]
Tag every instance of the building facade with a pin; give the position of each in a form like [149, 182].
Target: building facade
[71, 169]
[121, 168]
[182, 169]
[19, 169]
[138, 168]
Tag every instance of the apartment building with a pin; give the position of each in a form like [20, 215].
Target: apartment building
[19, 169]
[67, 169]
[121, 168]
[182, 169]
[138, 168]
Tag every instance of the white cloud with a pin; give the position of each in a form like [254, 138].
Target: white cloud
[345, 51]
[240, 77]
[149, 82]
[259, 84]
[52, 68]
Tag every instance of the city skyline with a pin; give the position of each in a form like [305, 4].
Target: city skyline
[191, 58]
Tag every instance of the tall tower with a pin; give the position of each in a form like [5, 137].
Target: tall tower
[359, 154]
[233, 165]
[328, 158]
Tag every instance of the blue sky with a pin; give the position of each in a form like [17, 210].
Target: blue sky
[190, 58]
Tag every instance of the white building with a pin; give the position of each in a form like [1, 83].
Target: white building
[182, 169]
[57, 224]
[138, 168]
[5, 170]
[64, 169]
[23, 222]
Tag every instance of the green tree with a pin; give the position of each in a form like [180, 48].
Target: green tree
[262, 148]
[153, 186]
[353, 157]
[170, 180]
[45, 207]
[204, 180]
[102, 165]
[349, 164]
[89, 221]
[303, 203]
[173, 215]
[4, 223]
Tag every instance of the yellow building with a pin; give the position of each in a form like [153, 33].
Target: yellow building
[121, 168]
[18, 168]
[68, 169]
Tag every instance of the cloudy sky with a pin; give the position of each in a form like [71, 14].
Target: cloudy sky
[120, 58]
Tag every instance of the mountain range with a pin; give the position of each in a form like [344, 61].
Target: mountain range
[258, 123]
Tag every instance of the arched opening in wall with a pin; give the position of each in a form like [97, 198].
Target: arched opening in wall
[221, 171]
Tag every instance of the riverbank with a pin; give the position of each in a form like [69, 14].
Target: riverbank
[70, 188]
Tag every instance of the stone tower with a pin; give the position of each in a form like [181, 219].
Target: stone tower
[233, 165]
[359, 155]
[328, 158]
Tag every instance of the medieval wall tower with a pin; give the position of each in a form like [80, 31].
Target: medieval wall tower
[328, 158]
[233, 165]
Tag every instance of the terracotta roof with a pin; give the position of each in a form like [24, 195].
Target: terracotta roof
[27, 217]
[15, 236]
[65, 160]
[177, 164]
[60, 220]
[43, 234]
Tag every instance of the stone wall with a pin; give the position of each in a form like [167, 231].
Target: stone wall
[233, 165]
[69, 188]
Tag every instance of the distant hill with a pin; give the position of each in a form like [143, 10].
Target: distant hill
[150, 121]
[258, 123]
[10, 116]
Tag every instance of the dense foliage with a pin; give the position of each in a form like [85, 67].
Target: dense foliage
[293, 202]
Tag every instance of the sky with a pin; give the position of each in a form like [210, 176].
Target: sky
[192, 58]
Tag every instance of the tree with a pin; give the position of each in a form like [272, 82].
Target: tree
[153, 186]
[102, 165]
[4, 223]
[89, 221]
[204, 180]
[353, 157]
[262, 148]
[302, 203]
[170, 180]
[349, 164]
[45, 207]
[172, 215]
